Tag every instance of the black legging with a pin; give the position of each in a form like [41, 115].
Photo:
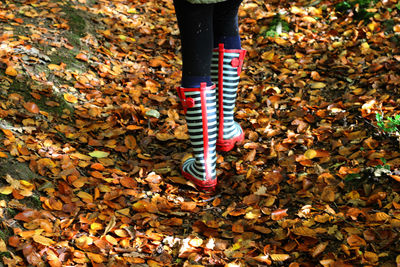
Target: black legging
[200, 25]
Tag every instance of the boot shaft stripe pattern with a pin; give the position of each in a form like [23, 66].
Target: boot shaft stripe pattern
[226, 76]
[202, 128]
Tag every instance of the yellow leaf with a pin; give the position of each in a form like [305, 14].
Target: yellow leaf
[25, 183]
[269, 55]
[309, 19]
[111, 240]
[236, 246]
[297, 11]
[3, 246]
[80, 156]
[96, 226]
[110, 225]
[6, 190]
[310, 154]
[123, 211]
[43, 240]
[121, 233]
[317, 85]
[279, 257]
[99, 154]
[11, 71]
[88, 198]
[132, 10]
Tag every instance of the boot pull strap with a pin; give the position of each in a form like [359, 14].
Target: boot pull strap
[237, 62]
[187, 102]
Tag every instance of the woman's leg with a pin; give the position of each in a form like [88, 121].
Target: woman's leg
[196, 30]
[225, 22]
[227, 62]
[198, 94]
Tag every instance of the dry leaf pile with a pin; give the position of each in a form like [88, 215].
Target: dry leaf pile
[88, 102]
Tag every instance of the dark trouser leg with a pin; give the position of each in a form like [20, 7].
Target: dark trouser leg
[225, 24]
[196, 29]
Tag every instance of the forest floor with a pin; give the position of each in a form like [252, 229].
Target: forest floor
[91, 137]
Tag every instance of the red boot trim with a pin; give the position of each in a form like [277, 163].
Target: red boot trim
[228, 145]
[188, 102]
[206, 185]
[220, 90]
[238, 63]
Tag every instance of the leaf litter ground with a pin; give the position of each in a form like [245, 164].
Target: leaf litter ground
[88, 103]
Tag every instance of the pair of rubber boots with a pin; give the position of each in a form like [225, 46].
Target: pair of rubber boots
[209, 116]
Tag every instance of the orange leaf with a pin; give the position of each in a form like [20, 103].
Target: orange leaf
[97, 166]
[188, 206]
[97, 258]
[356, 241]
[54, 67]
[11, 71]
[263, 258]
[82, 57]
[31, 107]
[279, 214]
[7, 132]
[70, 98]
[14, 241]
[3, 155]
[128, 182]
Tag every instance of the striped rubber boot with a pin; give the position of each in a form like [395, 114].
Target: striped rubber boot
[199, 105]
[226, 66]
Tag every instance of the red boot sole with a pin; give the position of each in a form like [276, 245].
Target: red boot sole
[228, 145]
[201, 185]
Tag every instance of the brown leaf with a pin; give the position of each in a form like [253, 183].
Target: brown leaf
[356, 241]
[304, 231]
[130, 142]
[319, 249]
[31, 107]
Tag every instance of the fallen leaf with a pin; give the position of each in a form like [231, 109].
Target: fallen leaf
[99, 154]
[31, 107]
[11, 71]
[70, 98]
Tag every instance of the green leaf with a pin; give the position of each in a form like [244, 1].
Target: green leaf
[99, 154]
[153, 113]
